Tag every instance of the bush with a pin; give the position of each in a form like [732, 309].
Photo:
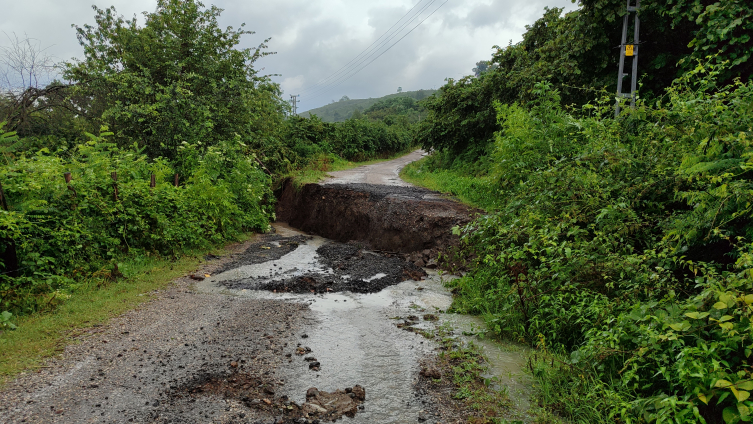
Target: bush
[354, 139]
[624, 247]
[63, 232]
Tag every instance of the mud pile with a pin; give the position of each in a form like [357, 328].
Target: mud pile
[388, 218]
[346, 267]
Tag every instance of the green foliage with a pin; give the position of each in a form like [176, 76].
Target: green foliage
[5, 320]
[723, 28]
[63, 232]
[396, 110]
[176, 79]
[625, 246]
[461, 117]
[357, 139]
[469, 182]
[354, 139]
[575, 53]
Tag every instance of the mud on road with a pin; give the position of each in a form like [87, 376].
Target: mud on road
[254, 349]
[345, 267]
[289, 328]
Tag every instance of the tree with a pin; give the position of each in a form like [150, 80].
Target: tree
[483, 66]
[575, 53]
[26, 85]
[178, 78]
[400, 89]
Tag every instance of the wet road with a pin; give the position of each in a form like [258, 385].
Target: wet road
[218, 350]
[383, 173]
[354, 336]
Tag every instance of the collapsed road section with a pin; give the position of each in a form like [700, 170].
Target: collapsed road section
[291, 328]
[387, 218]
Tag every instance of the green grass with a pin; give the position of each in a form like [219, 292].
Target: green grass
[42, 335]
[479, 192]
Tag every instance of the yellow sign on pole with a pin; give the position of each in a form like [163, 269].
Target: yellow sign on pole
[629, 49]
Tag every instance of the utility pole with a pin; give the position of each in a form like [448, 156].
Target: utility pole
[628, 50]
[294, 102]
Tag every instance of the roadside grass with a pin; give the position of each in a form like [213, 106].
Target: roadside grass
[320, 165]
[478, 192]
[42, 335]
[463, 367]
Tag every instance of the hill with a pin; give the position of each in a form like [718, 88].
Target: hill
[341, 110]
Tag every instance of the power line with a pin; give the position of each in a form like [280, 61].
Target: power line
[389, 34]
[354, 71]
[368, 49]
[315, 96]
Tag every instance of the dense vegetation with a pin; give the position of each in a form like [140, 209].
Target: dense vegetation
[620, 248]
[575, 53]
[173, 100]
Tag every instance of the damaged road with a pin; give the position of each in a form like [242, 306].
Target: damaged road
[349, 268]
[289, 328]
[234, 347]
[373, 206]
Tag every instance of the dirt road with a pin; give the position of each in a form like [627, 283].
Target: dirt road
[383, 173]
[290, 328]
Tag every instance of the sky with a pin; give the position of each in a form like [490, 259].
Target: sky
[314, 39]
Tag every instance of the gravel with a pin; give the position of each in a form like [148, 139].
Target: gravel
[130, 370]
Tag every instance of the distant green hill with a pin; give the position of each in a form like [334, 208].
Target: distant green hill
[343, 109]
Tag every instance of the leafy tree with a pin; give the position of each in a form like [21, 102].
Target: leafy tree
[575, 52]
[356, 114]
[27, 91]
[483, 66]
[393, 110]
[178, 78]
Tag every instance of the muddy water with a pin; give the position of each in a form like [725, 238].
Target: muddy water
[355, 338]
[507, 361]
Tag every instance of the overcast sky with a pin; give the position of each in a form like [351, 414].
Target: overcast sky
[316, 38]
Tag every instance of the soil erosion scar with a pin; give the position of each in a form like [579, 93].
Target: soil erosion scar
[391, 218]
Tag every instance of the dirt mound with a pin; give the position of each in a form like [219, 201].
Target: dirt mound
[348, 268]
[388, 218]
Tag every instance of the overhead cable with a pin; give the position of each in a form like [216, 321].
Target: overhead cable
[368, 49]
[342, 80]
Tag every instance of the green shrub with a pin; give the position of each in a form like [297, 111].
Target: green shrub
[354, 139]
[623, 248]
[63, 232]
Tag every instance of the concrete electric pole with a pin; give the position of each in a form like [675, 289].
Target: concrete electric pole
[628, 50]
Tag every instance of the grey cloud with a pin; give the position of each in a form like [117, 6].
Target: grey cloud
[314, 38]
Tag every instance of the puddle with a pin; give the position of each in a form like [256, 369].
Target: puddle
[356, 341]
[300, 261]
[507, 361]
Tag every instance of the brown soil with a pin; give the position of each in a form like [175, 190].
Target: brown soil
[388, 218]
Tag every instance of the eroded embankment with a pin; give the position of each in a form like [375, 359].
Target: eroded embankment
[388, 218]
